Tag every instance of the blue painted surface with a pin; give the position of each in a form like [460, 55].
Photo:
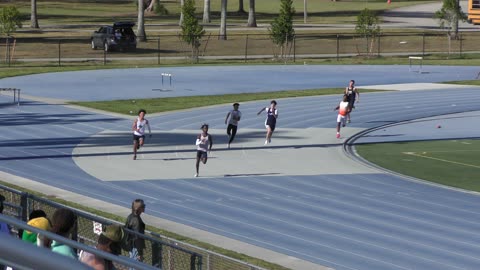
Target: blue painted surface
[363, 221]
[211, 80]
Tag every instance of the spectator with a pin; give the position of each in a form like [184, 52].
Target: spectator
[135, 223]
[4, 227]
[108, 241]
[63, 222]
[38, 219]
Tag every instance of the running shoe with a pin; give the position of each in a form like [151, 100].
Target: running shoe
[134, 157]
[266, 142]
[338, 135]
[196, 175]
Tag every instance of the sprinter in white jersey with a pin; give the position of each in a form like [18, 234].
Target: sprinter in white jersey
[138, 128]
[343, 110]
[204, 144]
[232, 117]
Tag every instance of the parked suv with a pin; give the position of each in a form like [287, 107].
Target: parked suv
[120, 36]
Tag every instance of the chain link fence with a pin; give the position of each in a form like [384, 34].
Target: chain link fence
[161, 252]
[247, 47]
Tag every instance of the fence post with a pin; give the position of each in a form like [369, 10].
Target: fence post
[294, 48]
[8, 50]
[59, 52]
[246, 48]
[24, 205]
[338, 46]
[104, 57]
[158, 52]
[192, 262]
[199, 263]
[157, 255]
[461, 44]
[423, 44]
[378, 45]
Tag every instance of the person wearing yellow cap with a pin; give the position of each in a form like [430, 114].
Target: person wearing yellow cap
[38, 219]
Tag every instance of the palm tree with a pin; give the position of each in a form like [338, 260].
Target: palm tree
[223, 21]
[182, 2]
[252, 21]
[141, 36]
[305, 14]
[151, 7]
[33, 15]
[240, 7]
[206, 11]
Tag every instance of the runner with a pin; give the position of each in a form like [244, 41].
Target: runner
[138, 128]
[343, 110]
[271, 121]
[352, 94]
[234, 116]
[204, 144]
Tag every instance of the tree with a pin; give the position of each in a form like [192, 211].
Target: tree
[281, 29]
[305, 14]
[206, 11]
[367, 26]
[449, 15]
[151, 5]
[141, 35]
[33, 15]
[182, 3]
[192, 31]
[240, 7]
[154, 6]
[10, 19]
[223, 21]
[252, 21]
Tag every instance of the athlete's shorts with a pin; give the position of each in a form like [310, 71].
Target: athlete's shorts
[272, 126]
[137, 137]
[270, 123]
[341, 119]
[201, 154]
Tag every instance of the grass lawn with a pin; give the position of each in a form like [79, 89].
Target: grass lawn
[468, 82]
[155, 105]
[453, 163]
[89, 12]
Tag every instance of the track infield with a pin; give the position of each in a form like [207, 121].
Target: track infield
[454, 163]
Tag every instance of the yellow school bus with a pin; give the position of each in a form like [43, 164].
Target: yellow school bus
[474, 11]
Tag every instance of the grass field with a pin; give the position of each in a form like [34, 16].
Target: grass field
[156, 105]
[87, 12]
[454, 163]
[66, 27]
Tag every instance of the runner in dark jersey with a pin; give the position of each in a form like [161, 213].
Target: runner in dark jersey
[352, 95]
[271, 121]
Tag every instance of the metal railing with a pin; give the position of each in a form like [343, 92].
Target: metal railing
[14, 254]
[242, 47]
[156, 252]
[162, 252]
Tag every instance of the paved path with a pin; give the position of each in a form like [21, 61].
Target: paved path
[299, 202]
